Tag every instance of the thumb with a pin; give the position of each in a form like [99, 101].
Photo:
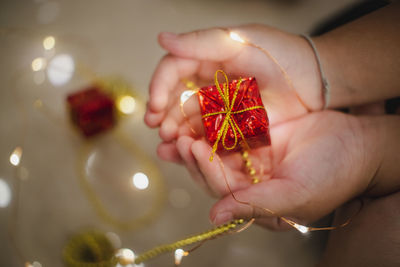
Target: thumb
[211, 44]
[263, 200]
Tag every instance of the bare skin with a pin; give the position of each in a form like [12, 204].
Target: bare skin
[321, 160]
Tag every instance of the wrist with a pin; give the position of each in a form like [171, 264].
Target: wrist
[382, 138]
[308, 81]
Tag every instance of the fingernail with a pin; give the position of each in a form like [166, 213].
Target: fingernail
[222, 217]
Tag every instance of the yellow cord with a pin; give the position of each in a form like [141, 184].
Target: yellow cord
[147, 164]
[228, 122]
[211, 234]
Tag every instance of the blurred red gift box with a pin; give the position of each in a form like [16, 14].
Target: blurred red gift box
[92, 111]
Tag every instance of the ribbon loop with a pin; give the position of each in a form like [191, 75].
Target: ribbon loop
[229, 121]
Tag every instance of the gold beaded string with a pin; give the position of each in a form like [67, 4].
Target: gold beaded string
[249, 166]
[93, 198]
[193, 89]
[91, 195]
[228, 228]
[256, 179]
[301, 228]
[245, 156]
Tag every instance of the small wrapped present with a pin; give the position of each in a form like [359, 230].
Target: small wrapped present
[233, 115]
[92, 111]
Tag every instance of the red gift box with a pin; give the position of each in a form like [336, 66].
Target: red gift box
[234, 117]
[91, 110]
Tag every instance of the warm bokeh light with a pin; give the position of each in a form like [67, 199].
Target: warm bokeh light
[15, 157]
[49, 42]
[236, 37]
[38, 64]
[5, 194]
[126, 104]
[140, 181]
[60, 69]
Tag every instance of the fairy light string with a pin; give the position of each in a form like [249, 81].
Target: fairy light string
[228, 228]
[237, 38]
[245, 156]
[215, 233]
[124, 97]
[136, 222]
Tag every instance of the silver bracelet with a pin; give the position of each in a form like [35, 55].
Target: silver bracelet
[325, 83]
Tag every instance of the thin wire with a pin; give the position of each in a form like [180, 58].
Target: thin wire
[288, 221]
[93, 198]
[101, 210]
[276, 62]
[227, 228]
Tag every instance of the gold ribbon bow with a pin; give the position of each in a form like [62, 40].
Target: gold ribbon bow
[229, 121]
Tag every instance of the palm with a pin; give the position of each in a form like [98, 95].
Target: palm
[313, 156]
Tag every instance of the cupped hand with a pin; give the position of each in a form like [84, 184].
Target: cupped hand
[320, 161]
[197, 55]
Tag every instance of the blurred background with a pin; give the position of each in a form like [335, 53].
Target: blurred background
[54, 183]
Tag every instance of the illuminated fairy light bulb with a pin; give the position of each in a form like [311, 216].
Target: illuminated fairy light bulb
[125, 256]
[179, 254]
[15, 157]
[38, 64]
[49, 42]
[126, 104]
[236, 37]
[301, 228]
[140, 181]
[186, 95]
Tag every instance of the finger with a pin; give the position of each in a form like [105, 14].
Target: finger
[262, 200]
[168, 152]
[192, 127]
[169, 128]
[216, 175]
[184, 145]
[152, 119]
[210, 44]
[165, 79]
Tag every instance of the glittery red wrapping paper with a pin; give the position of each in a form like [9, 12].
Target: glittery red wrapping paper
[254, 123]
[92, 111]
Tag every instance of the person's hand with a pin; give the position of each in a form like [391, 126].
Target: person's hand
[320, 161]
[197, 55]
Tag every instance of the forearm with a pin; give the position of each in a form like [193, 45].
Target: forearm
[362, 59]
[383, 138]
